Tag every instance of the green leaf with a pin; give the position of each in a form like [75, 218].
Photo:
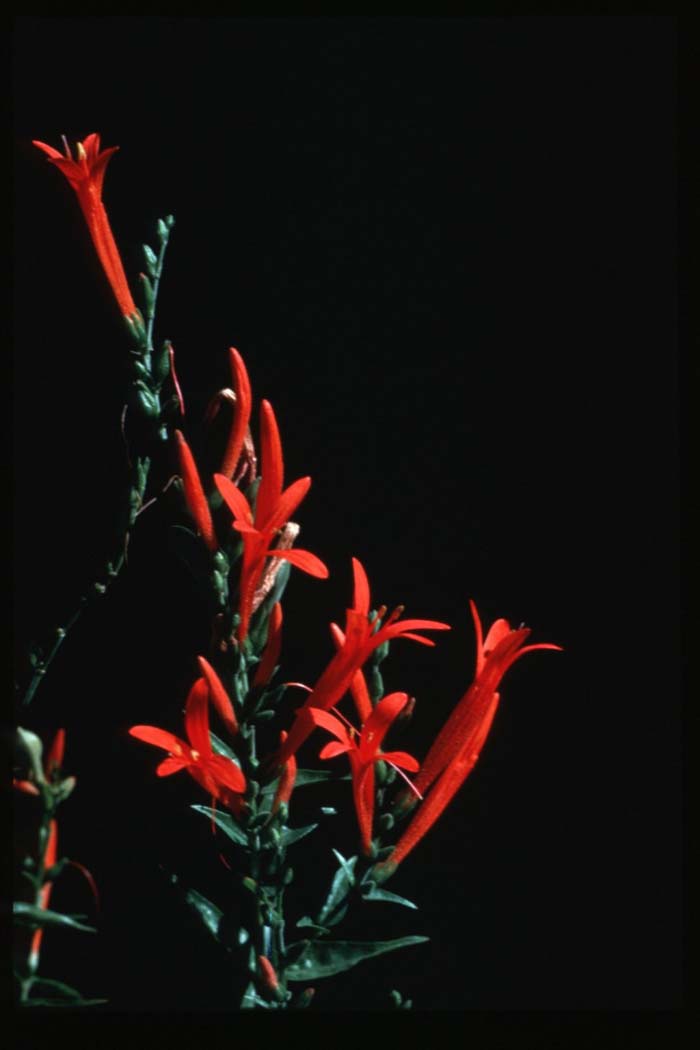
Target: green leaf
[226, 822]
[30, 915]
[348, 866]
[376, 894]
[50, 985]
[306, 922]
[290, 835]
[72, 1003]
[303, 777]
[251, 1000]
[208, 912]
[326, 958]
[151, 260]
[343, 880]
[339, 913]
[220, 748]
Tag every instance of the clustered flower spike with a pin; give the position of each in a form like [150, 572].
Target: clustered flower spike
[86, 175]
[273, 509]
[360, 640]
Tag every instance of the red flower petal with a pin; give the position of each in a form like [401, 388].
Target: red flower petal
[402, 759]
[328, 721]
[234, 500]
[197, 718]
[377, 725]
[361, 588]
[281, 512]
[159, 738]
[169, 765]
[333, 749]
[303, 560]
[226, 772]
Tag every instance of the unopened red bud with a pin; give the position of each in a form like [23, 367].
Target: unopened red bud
[305, 998]
[267, 974]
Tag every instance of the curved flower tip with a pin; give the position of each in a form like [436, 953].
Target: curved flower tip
[243, 403]
[195, 499]
[86, 176]
[218, 696]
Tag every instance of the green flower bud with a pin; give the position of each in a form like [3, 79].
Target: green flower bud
[161, 363]
[151, 260]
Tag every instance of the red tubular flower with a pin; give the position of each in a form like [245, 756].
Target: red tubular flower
[218, 696]
[241, 414]
[361, 639]
[287, 778]
[54, 758]
[364, 753]
[458, 744]
[217, 774]
[50, 854]
[86, 175]
[503, 646]
[358, 685]
[197, 503]
[266, 667]
[273, 508]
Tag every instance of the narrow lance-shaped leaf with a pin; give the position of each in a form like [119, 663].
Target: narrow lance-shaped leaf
[343, 880]
[208, 912]
[224, 821]
[327, 958]
[31, 915]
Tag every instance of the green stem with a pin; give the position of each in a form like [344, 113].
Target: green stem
[112, 569]
[150, 319]
[137, 490]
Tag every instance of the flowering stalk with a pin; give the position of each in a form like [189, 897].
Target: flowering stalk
[86, 175]
[42, 781]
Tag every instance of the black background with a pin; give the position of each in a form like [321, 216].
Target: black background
[446, 249]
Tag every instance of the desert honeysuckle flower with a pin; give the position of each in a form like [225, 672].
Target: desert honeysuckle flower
[457, 746]
[243, 403]
[86, 175]
[363, 750]
[218, 696]
[217, 774]
[273, 508]
[195, 498]
[360, 639]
